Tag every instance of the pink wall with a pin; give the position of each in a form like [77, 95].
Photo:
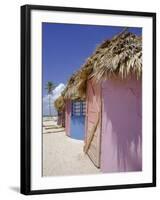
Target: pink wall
[67, 117]
[121, 148]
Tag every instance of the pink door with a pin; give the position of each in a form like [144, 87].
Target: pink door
[93, 122]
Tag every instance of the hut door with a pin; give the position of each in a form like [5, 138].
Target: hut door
[93, 122]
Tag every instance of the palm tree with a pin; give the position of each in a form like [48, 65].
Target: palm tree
[49, 87]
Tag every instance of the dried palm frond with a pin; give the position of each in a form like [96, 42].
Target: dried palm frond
[59, 103]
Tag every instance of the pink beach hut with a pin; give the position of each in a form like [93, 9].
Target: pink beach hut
[111, 81]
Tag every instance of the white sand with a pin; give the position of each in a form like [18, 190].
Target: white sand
[64, 156]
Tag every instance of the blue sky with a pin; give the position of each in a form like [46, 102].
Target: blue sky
[65, 47]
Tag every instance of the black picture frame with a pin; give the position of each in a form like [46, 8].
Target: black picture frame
[25, 183]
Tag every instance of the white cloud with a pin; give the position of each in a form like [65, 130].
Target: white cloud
[55, 94]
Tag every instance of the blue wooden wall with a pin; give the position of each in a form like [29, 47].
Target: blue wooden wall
[78, 120]
[77, 127]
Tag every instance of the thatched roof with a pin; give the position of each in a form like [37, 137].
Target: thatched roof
[71, 91]
[59, 103]
[117, 58]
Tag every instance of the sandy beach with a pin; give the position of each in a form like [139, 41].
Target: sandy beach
[63, 155]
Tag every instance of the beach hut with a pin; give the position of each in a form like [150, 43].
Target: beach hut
[111, 82]
[75, 109]
[75, 119]
[59, 105]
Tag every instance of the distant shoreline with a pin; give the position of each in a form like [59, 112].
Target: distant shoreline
[49, 116]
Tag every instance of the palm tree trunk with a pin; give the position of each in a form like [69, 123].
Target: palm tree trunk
[49, 105]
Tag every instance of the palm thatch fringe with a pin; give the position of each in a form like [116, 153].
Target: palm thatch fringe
[59, 103]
